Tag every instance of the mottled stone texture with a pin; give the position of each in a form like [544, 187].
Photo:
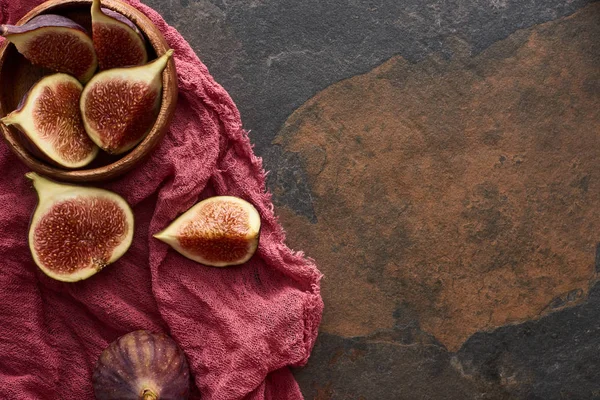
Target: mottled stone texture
[273, 55]
[458, 195]
[555, 357]
[465, 191]
[450, 193]
[361, 369]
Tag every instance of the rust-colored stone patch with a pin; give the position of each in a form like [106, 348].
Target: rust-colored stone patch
[324, 393]
[465, 190]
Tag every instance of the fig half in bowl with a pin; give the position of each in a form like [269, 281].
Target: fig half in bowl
[17, 76]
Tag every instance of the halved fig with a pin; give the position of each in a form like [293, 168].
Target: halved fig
[49, 116]
[142, 365]
[118, 42]
[55, 42]
[120, 105]
[219, 231]
[76, 231]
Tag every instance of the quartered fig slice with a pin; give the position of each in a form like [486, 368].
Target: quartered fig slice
[219, 231]
[120, 105]
[55, 42]
[142, 365]
[76, 231]
[49, 116]
[118, 42]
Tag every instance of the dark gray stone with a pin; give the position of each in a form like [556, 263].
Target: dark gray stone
[597, 258]
[556, 357]
[357, 368]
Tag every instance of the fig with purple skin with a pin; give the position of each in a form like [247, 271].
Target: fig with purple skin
[50, 118]
[219, 231]
[142, 365]
[55, 42]
[118, 42]
[76, 231]
[119, 106]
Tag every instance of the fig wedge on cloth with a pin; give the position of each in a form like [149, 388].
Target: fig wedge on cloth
[219, 231]
[118, 42]
[49, 116]
[76, 231]
[142, 365]
[55, 42]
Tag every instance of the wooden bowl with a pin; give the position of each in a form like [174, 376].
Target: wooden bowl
[17, 75]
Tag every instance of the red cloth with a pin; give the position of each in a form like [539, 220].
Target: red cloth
[240, 327]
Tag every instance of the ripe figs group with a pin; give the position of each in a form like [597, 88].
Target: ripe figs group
[219, 231]
[116, 107]
[49, 117]
[76, 231]
[55, 42]
[142, 365]
[120, 105]
[118, 42]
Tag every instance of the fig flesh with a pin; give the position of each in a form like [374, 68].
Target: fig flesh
[119, 106]
[219, 231]
[118, 42]
[49, 116]
[76, 231]
[142, 365]
[55, 42]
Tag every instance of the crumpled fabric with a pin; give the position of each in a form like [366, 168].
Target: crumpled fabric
[240, 327]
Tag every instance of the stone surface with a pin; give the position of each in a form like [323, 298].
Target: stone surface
[456, 190]
[439, 160]
[556, 357]
[273, 55]
[358, 368]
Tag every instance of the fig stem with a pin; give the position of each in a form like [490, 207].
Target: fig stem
[45, 187]
[96, 7]
[9, 119]
[148, 394]
[160, 63]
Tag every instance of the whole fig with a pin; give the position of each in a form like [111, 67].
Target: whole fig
[142, 365]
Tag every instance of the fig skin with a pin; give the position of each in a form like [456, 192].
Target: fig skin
[51, 99]
[117, 124]
[220, 231]
[55, 42]
[80, 242]
[142, 365]
[117, 41]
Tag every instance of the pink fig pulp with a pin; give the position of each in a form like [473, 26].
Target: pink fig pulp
[120, 105]
[219, 231]
[118, 42]
[49, 117]
[77, 231]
